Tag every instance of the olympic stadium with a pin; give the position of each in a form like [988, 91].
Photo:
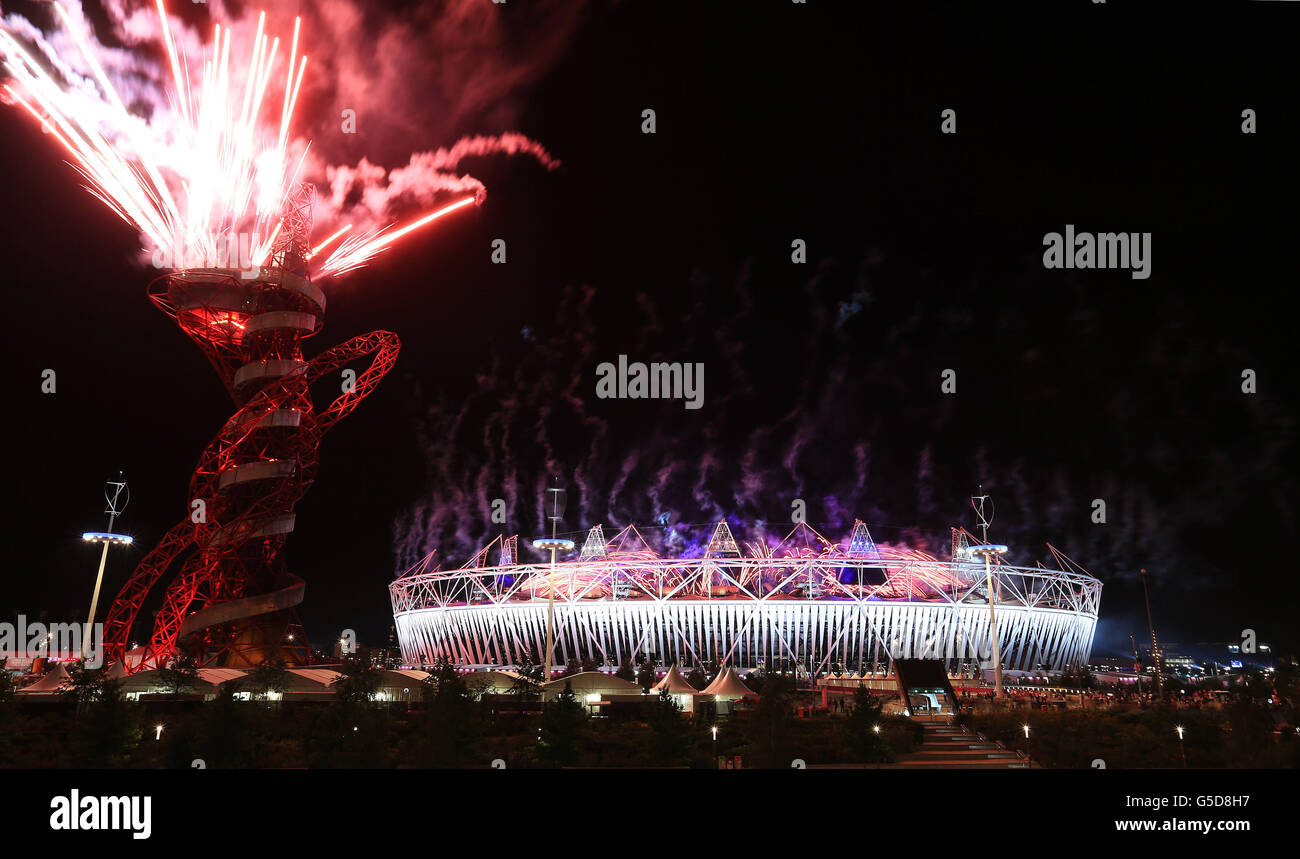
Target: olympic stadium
[806, 602]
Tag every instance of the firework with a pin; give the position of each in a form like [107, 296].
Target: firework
[219, 176]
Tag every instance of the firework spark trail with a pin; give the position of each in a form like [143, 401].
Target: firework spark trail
[329, 241]
[213, 167]
[355, 252]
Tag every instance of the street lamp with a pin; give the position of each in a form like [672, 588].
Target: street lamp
[1182, 751]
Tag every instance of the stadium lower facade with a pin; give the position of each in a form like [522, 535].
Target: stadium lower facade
[806, 603]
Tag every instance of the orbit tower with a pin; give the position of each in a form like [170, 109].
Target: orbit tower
[232, 600]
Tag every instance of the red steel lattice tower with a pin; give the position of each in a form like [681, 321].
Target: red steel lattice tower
[232, 600]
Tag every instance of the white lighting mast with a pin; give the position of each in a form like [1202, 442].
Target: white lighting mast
[117, 494]
[988, 551]
[553, 544]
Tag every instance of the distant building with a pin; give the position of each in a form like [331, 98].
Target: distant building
[1228, 657]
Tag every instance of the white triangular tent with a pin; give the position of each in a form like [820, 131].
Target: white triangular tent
[54, 680]
[728, 685]
[674, 683]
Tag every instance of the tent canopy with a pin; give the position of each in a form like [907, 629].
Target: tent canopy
[54, 680]
[728, 685]
[675, 683]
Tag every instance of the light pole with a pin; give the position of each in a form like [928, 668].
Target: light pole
[552, 544]
[1155, 648]
[114, 492]
[1182, 751]
[987, 551]
[1137, 664]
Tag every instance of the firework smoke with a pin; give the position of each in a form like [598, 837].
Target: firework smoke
[843, 428]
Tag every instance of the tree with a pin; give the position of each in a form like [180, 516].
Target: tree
[267, 677]
[529, 677]
[645, 675]
[8, 741]
[863, 728]
[85, 685]
[350, 733]
[1256, 686]
[524, 687]
[453, 724]
[671, 743]
[180, 675]
[1250, 738]
[111, 731]
[563, 722]
[224, 732]
[696, 678]
[359, 682]
[529, 668]
[767, 726]
[626, 671]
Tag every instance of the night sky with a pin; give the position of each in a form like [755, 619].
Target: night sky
[775, 121]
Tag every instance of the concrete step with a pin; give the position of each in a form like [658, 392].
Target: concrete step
[948, 746]
[961, 753]
[972, 744]
[992, 764]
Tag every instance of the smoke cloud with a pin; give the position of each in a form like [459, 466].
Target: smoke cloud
[846, 414]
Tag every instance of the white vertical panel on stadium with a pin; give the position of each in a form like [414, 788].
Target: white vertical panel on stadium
[746, 633]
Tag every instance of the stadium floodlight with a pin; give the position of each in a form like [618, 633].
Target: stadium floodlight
[117, 494]
[553, 544]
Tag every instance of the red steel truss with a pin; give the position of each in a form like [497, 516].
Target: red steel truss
[231, 601]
